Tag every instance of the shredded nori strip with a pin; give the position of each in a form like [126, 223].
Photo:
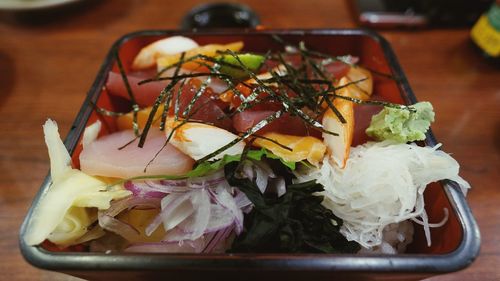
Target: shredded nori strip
[135, 106]
[166, 91]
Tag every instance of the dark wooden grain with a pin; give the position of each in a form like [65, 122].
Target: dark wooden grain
[48, 59]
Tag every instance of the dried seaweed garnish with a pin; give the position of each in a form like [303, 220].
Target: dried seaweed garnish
[166, 91]
[197, 95]
[166, 108]
[184, 76]
[287, 103]
[177, 100]
[135, 106]
[344, 60]
[296, 222]
[106, 112]
[332, 58]
[374, 102]
[290, 107]
[282, 97]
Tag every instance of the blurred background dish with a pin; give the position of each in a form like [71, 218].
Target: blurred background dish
[26, 5]
[220, 15]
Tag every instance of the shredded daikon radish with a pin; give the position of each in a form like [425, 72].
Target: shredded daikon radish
[382, 183]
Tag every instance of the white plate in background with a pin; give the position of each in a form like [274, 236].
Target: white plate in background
[26, 5]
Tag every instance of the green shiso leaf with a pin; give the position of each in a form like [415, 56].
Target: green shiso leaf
[206, 167]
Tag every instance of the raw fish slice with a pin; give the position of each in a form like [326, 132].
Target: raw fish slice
[145, 94]
[104, 158]
[205, 108]
[286, 124]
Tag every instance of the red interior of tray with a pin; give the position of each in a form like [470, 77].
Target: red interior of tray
[445, 239]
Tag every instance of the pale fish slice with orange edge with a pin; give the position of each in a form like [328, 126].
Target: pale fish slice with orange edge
[209, 50]
[360, 82]
[302, 147]
[339, 146]
[199, 140]
[125, 121]
[169, 46]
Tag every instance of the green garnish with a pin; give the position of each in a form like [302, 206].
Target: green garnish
[251, 61]
[402, 125]
[206, 167]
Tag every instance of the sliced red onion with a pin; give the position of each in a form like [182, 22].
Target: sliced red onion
[174, 235]
[108, 221]
[241, 199]
[220, 218]
[218, 241]
[211, 180]
[159, 188]
[131, 202]
[198, 207]
[277, 186]
[259, 171]
[226, 200]
[248, 170]
[114, 225]
[214, 241]
[168, 247]
[173, 211]
[263, 173]
[195, 225]
[142, 189]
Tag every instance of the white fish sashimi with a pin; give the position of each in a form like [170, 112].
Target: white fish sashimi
[168, 46]
[200, 140]
[104, 157]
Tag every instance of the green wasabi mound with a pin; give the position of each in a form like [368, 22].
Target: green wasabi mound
[402, 125]
[251, 61]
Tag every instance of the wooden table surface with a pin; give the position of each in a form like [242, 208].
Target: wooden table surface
[49, 59]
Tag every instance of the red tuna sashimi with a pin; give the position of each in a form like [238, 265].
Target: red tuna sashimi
[104, 158]
[205, 109]
[286, 124]
[336, 69]
[145, 94]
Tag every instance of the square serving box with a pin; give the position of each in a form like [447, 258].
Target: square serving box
[454, 245]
